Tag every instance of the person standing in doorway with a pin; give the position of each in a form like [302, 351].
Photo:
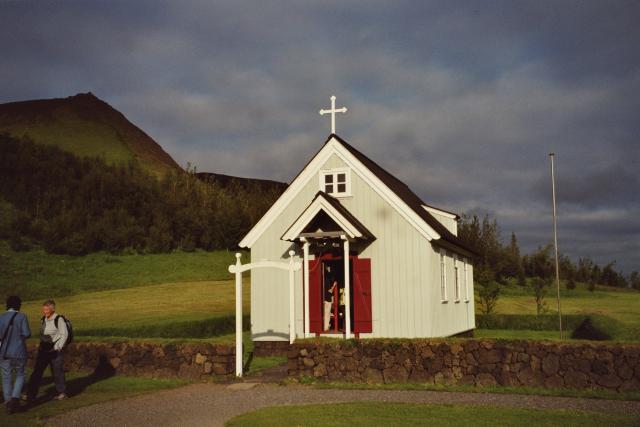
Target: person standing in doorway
[330, 284]
[14, 331]
[53, 337]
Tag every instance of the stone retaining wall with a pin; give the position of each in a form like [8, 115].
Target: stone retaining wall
[270, 348]
[614, 367]
[186, 361]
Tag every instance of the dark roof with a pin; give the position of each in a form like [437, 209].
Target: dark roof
[448, 239]
[348, 215]
[340, 208]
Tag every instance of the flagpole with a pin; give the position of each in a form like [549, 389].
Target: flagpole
[555, 238]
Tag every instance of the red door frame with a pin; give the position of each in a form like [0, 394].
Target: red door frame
[329, 256]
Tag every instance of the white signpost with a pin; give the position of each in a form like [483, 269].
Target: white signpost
[240, 268]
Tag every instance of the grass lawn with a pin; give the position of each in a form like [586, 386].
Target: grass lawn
[38, 275]
[84, 390]
[619, 304]
[516, 334]
[538, 391]
[145, 306]
[399, 414]
[132, 294]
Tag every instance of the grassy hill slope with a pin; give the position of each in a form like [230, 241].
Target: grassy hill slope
[85, 126]
[36, 275]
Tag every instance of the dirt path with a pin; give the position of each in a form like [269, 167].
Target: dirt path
[214, 404]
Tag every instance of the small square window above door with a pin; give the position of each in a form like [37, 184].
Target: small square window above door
[336, 182]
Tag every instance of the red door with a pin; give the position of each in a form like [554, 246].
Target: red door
[362, 295]
[315, 296]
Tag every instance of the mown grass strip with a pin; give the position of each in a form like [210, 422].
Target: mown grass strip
[204, 328]
[405, 414]
[534, 391]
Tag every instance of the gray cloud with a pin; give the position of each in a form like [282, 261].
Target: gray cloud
[462, 100]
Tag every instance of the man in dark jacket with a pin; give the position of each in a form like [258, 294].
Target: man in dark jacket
[14, 331]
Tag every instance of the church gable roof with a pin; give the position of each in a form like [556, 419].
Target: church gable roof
[409, 197]
[323, 203]
[394, 191]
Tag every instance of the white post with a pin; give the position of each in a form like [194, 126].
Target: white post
[347, 289]
[292, 325]
[305, 250]
[555, 239]
[238, 316]
[333, 114]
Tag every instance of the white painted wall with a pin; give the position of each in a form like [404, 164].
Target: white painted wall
[405, 276]
[450, 223]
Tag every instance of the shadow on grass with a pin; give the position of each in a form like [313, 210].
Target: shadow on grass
[76, 386]
[247, 364]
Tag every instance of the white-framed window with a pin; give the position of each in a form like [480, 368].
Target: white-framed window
[443, 277]
[336, 182]
[466, 280]
[456, 281]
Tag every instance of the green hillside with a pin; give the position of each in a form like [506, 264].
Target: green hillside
[87, 127]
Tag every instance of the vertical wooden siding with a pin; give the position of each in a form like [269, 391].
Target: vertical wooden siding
[405, 273]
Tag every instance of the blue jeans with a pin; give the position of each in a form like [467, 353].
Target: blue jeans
[8, 366]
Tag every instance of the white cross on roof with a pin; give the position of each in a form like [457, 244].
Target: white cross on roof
[333, 112]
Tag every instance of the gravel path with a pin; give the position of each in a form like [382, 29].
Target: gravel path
[214, 404]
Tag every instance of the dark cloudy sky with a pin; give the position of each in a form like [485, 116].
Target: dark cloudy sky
[461, 100]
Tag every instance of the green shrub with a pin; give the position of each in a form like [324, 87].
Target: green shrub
[588, 331]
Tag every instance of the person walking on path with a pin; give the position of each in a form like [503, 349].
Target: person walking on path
[14, 331]
[53, 337]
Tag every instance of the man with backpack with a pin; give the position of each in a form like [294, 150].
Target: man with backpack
[14, 331]
[54, 335]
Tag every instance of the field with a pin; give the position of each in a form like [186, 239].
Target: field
[182, 294]
[146, 307]
[38, 275]
[620, 305]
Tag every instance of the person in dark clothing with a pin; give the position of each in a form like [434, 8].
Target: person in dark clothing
[14, 331]
[330, 284]
[53, 337]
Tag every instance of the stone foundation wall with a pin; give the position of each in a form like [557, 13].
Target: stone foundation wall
[614, 367]
[186, 361]
[271, 348]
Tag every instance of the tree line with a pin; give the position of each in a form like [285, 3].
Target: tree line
[496, 264]
[72, 205]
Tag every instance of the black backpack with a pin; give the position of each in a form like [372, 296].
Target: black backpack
[69, 328]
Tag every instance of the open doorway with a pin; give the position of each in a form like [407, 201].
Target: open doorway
[333, 298]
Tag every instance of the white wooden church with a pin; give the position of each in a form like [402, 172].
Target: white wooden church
[377, 261]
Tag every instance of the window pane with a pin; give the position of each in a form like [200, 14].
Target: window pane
[342, 188]
[342, 177]
[328, 188]
[328, 179]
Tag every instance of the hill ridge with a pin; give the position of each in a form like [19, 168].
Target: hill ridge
[85, 125]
